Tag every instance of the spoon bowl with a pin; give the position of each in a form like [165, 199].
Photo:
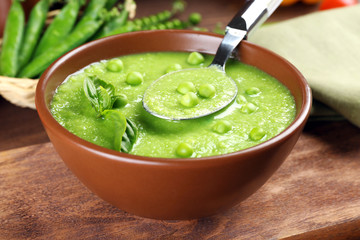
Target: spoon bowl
[165, 103]
[209, 91]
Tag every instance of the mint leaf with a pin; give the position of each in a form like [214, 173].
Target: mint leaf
[107, 86]
[129, 138]
[100, 94]
[104, 99]
[125, 131]
[91, 93]
[117, 123]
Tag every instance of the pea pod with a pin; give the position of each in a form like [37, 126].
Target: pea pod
[92, 10]
[33, 30]
[130, 26]
[78, 36]
[110, 4]
[173, 24]
[61, 26]
[114, 23]
[155, 21]
[13, 35]
[94, 7]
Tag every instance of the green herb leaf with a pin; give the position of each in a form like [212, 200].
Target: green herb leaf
[107, 86]
[91, 93]
[129, 138]
[104, 99]
[125, 130]
[115, 121]
[100, 94]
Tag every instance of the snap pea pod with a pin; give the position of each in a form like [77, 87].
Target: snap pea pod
[110, 4]
[33, 30]
[60, 27]
[130, 26]
[13, 35]
[92, 11]
[143, 23]
[94, 7]
[173, 24]
[154, 19]
[78, 36]
[111, 25]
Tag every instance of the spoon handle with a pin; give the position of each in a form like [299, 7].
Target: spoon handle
[252, 14]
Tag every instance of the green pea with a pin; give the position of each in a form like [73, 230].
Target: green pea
[195, 18]
[115, 65]
[165, 15]
[241, 99]
[94, 69]
[173, 67]
[189, 100]
[161, 26]
[252, 91]
[135, 28]
[169, 25]
[134, 78]
[177, 24]
[195, 58]
[222, 127]
[153, 27]
[257, 133]
[186, 87]
[120, 101]
[138, 22]
[184, 150]
[153, 19]
[146, 21]
[248, 108]
[207, 90]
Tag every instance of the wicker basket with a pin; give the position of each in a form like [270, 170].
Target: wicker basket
[18, 91]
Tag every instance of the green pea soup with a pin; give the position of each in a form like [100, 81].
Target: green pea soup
[262, 109]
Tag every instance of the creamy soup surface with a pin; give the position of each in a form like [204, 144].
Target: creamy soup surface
[262, 109]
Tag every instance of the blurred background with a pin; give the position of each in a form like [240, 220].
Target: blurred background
[214, 15]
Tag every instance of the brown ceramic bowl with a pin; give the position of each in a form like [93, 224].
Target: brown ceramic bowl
[165, 188]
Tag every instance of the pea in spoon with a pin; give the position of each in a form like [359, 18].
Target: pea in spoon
[219, 90]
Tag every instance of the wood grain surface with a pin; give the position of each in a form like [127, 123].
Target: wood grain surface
[314, 195]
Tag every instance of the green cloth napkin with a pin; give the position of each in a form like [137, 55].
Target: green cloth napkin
[325, 47]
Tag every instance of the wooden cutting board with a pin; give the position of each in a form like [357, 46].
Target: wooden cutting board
[314, 195]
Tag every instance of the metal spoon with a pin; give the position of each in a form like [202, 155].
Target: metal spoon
[253, 13]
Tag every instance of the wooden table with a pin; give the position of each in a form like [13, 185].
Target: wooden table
[314, 195]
